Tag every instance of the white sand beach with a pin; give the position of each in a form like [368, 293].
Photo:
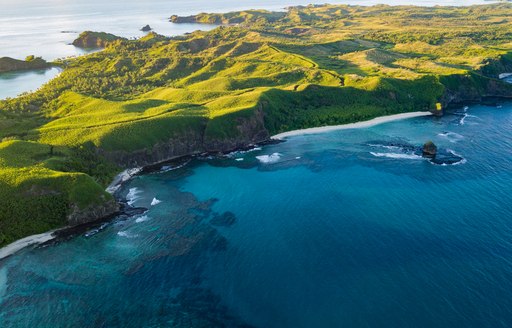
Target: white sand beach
[357, 125]
[25, 242]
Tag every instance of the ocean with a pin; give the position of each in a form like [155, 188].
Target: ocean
[348, 228]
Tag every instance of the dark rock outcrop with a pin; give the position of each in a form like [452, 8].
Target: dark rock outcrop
[472, 88]
[146, 28]
[429, 150]
[92, 213]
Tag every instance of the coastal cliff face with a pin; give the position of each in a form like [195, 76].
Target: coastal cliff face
[92, 213]
[472, 88]
[248, 130]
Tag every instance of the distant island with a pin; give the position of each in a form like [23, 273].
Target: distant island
[260, 73]
[94, 40]
[8, 64]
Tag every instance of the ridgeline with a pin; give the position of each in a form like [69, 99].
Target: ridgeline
[260, 73]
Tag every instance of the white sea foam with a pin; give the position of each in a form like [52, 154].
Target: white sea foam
[142, 218]
[126, 234]
[91, 233]
[267, 159]
[463, 119]
[133, 195]
[155, 202]
[241, 152]
[461, 122]
[396, 155]
[451, 136]
[462, 161]
[122, 177]
[385, 146]
[239, 159]
[298, 157]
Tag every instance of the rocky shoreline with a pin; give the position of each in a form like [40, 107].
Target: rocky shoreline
[121, 211]
[97, 218]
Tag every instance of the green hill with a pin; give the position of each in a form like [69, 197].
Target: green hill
[143, 101]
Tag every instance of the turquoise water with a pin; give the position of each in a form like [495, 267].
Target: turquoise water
[343, 229]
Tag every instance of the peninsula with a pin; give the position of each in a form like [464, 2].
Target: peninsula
[8, 64]
[260, 73]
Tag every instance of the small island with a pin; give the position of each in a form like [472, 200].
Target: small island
[8, 64]
[261, 73]
[146, 28]
[95, 40]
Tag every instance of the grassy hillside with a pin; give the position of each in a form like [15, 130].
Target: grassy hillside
[261, 73]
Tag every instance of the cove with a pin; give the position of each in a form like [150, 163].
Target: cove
[345, 228]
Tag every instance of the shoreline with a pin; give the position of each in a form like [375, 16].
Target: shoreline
[356, 125]
[20, 244]
[128, 174]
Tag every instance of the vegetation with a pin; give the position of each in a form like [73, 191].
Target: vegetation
[92, 40]
[8, 64]
[309, 66]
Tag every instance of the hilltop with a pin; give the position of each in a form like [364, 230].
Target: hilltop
[261, 73]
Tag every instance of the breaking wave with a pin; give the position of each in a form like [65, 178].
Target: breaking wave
[142, 218]
[267, 159]
[126, 234]
[396, 155]
[133, 195]
[451, 136]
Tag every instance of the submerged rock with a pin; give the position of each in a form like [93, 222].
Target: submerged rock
[429, 150]
[225, 219]
[447, 157]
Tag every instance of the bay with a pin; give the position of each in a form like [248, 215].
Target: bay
[345, 228]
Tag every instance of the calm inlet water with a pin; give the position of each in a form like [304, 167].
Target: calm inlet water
[15, 83]
[342, 229]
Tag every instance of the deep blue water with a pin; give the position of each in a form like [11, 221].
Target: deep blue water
[342, 229]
